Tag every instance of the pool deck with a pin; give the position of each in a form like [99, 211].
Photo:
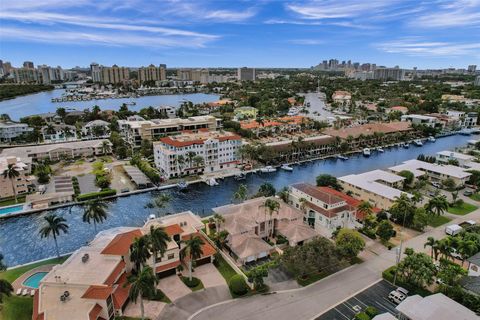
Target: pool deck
[18, 283]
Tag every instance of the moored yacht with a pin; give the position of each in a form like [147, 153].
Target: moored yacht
[366, 152]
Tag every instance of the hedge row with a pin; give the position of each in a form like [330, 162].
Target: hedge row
[96, 195]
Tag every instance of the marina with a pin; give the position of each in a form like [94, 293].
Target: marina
[21, 233]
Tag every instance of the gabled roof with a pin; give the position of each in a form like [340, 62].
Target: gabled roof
[173, 229]
[248, 245]
[95, 312]
[297, 232]
[321, 194]
[97, 292]
[207, 249]
[167, 266]
[120, 293]
[115, 273]
[120, 245]
[475, 259]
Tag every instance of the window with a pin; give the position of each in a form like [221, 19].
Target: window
[171, 256]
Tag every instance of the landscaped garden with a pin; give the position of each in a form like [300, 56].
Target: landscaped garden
[436, 221]
[461, 208]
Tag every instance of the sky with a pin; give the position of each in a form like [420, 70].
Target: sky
[261, 33]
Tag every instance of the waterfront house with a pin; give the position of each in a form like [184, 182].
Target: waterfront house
[276, 126]
[434, 172]
[96, 129]
[380, 188]
[250, 223]
[196, 152]
[92, 282]
[311, 147]
[11, 130]
[54, 133]
[419, 119]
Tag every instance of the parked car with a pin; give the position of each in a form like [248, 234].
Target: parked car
[467, 193]
[436, 185]
[453, 229]
[468, 223]
[396, 297]
[402, 291]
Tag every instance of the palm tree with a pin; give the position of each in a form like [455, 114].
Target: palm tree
[437, 205]
[198, 161]
[11, 173]
[161, 201]
[467, 248]
[365, 208]
[190, 156]
[140, 252]
[95, 210]
[445, 248]
[271, 206]
[241, 193]
[192, 251]
[158, 240]
[106, 147]
[5, 289]
[218, 219]
[180, 160]
[430, 243]
[53, 226]
[142, 284]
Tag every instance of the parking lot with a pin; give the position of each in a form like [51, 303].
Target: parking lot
[375, 296]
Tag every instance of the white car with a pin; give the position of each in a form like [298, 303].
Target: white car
[396, 297]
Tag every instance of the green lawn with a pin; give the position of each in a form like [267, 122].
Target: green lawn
[224, 268]
[11, 275]
[16, 308]
[462, 210]
[10, 202]
[475, 196]
[436, 221]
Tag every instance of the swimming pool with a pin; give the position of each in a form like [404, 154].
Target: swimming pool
[34, 280]
[11, 209]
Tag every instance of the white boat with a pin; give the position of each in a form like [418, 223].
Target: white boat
[342, 157]
[366, 152]
[267, 169]
[286, 167]
[211, 182]
[431, 139]
[406, 145]
[240, 176]
[380, 149]
[182, 185]
[418, 142]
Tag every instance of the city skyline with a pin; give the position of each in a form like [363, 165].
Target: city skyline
[432, 34]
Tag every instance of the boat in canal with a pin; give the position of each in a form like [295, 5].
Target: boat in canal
[380, 149]
[366, 152]
[267, 169]
[240, 176]
[342, 157]
[431, 139]
[182, 185]
[211, 182]
[406, 145]
[286, 167]
[418, 142]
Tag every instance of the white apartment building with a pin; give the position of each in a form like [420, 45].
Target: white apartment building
[96, 129]
[380, 188]
[11, 130]
[464, 160]
[466, 119]
[435, 172]
[135, 129]
[196, 153]
[59, 133]
[420, 119]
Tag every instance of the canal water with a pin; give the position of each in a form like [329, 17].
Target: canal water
[20, 242]
[41, 102]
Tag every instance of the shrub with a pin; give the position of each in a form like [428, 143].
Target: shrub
[362, 316]
[191, 283]
[95, 195]
[237, 285]
[102, 182]
[371, 311]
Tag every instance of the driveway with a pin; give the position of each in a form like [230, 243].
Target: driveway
[173, 287]
[209, 275]
[152, 309]
[87, 183]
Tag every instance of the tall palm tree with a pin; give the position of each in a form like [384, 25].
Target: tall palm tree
[193, 251]
[158, 241]
[241, 193]
[365, 208]
[271, 206]
[180, 160]
[218, 220]
[140, 252]
[198, 161]
[106, 147]
[53, 226]
[190, 156]
[12, 174]
[5, 289]
[96, 211]
[445, 248]
[430, 243]
[437, 205]
[467, 248]
[142, 284]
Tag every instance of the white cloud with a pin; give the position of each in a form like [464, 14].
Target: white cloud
[461, 13]
[329, 9]
[307, 42]
[416, 46]
[231, 16]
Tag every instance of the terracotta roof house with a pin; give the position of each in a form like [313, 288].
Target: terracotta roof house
[250, 222]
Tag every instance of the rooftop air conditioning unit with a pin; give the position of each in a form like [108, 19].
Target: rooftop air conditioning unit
[85, 257]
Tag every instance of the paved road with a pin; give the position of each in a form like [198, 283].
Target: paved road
[309, 302]
[317, 104]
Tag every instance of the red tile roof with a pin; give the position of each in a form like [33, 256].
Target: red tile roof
[115, 273]
[369, 129]
[95, 312]
[120, 294]
[173, 229]
[179, 144]
[120, 245]
[167, 266]
[207, 249]
[35, 314]
[97, 292]
[350, 200]
[315, 192]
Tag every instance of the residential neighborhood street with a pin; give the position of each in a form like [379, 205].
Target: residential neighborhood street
[310, 302]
